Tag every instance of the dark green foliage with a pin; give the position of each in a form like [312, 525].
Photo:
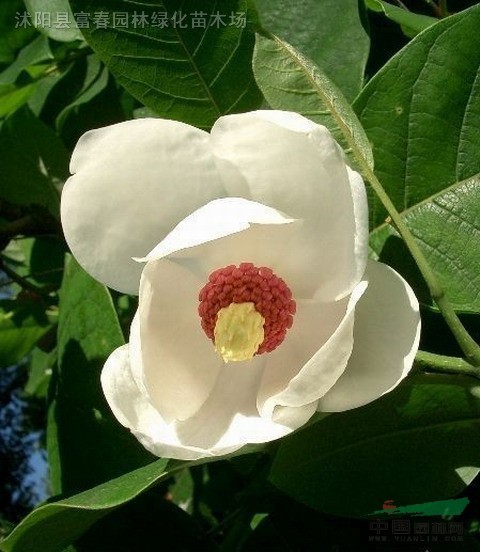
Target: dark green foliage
[399, 89]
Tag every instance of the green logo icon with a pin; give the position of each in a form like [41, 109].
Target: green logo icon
[453, 507]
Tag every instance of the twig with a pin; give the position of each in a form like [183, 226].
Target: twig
[464, 339]
[445, 364]
[20, 280]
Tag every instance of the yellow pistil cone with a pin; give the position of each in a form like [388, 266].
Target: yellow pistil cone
[238, 332]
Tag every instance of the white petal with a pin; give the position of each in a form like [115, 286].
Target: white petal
[386, 336]
[119, 387]
[179, 378]
[231, 231]
[133, 410]
[227, 422]
[229, 418]
[133, 182]
[217, 219]
[360, 208]
[135, 351]
[313, 356]
[290, 163]
[180, 364]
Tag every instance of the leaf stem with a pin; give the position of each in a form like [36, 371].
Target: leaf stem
[23, 225]
[443, 8]
[434, 7]
[464, 339]
[20, 280]
[28, 226]
[445, 364]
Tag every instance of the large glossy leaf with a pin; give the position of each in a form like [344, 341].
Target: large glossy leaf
[290, 81]
[330, 33]
[420, 113]
[417, 444]
[447, 227]
[182, 72]
[82, 431]
[51, 527]
[26, 143]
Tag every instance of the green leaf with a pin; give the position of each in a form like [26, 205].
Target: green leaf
[447, 227]
[82, 430]
[63, 92]
[13, 97]
[420, 113]
[182, 491]
[50, 528]
[40, 371]
[12, 37]
[290, 81]
[34, 162]
[19, 81]
[41, 90]
[53, 12]
[36, 72]
[36, 52]
[330, 33]
[96, 80]
[411, 23]
[53, 526]
[22, 323]
[189, 74]
[395, 448]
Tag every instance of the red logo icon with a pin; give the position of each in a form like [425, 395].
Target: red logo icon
[389, 505]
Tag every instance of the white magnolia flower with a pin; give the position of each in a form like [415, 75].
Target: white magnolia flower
[248, 248]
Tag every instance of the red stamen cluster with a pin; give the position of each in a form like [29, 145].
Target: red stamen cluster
[247, 283]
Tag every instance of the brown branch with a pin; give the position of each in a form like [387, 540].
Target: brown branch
[20, 280]
[24, 225]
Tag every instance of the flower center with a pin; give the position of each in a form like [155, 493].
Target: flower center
[238, 332]
[245, 310]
